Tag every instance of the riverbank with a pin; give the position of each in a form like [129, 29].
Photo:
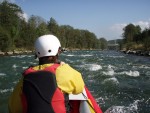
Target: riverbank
[134, 52]
[15, 53]
[137, 52]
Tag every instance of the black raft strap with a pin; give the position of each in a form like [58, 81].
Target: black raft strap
[39, 88]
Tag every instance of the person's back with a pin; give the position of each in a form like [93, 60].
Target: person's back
[45, 86]
[42, 93]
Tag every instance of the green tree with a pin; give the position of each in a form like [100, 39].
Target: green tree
[31, 32]
[22, 34]
[10, 20]
[23, 41]
[146, 38]
[103, 43]
[42, 29]
[53, 26]
[5, 42]
[130, 32]
[137, 34]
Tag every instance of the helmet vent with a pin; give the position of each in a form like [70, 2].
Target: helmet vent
[49, 51]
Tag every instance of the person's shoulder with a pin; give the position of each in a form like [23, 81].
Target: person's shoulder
[66, 67]
[63, 64]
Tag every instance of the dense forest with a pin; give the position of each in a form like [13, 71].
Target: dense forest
[136, 39]
[18, 34]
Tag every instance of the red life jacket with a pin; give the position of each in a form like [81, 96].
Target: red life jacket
[57, 102]
[40, 92]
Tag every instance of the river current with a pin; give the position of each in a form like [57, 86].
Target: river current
[119, 82]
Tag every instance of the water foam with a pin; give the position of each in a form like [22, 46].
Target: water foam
[91, 67]
[113, 79]
[100, 100]
[33, 63]
[6, 90]
[131, 73]
[70, 55]
[144, 67]
[117, 56]
[24, 67]
[2, 74]
[20, 56]
[110, 71]
[87, 55]
[14, 66]
[132, 108]
[95, 67]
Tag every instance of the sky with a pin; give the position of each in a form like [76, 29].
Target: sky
[105, 18]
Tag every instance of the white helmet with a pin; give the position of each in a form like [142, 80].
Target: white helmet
[47, 45]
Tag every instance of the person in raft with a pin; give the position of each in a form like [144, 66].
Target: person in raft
[45, 88]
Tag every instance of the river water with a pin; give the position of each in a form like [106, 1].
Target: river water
[119, 82]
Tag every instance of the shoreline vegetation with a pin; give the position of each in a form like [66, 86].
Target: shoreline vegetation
[26, 52]
[136, 52]
[17, 35]
[9, 53]
[16, 32]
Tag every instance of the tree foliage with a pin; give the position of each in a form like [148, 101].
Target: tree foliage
[16, 33]
[131, 32]
[134, 38]
[103, 43]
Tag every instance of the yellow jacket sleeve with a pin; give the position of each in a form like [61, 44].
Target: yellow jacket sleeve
[69, 80]
[15, 105]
